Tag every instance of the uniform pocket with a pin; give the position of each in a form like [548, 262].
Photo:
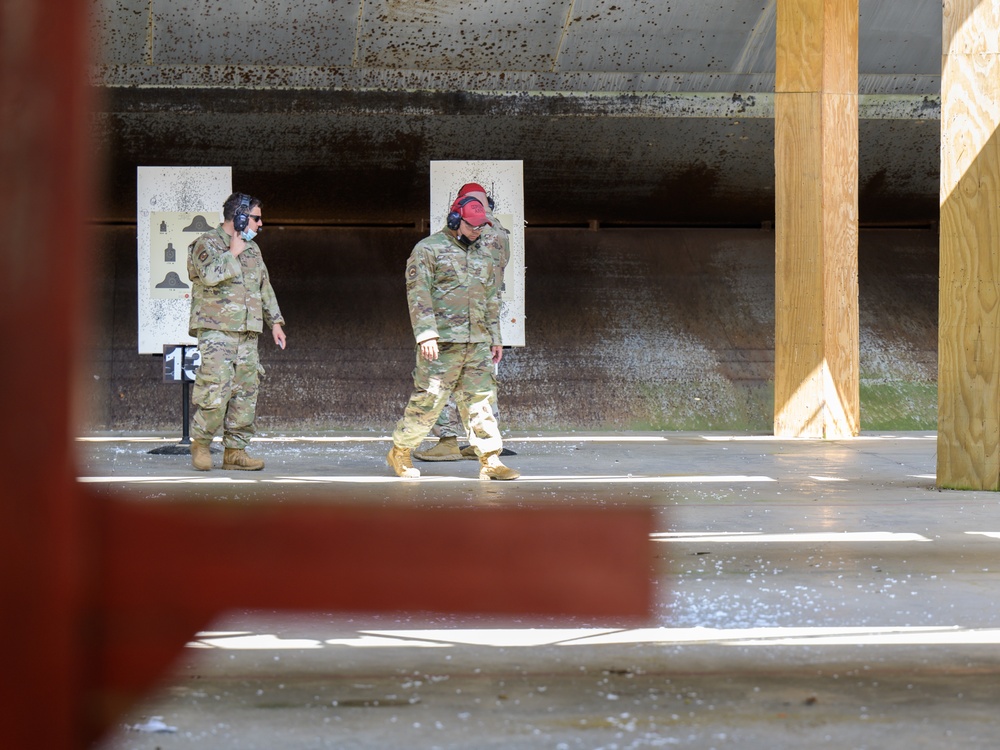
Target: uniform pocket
[451, 273]
[209, 391]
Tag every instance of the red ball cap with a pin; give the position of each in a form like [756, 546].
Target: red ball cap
[471, 187]
[473, 212]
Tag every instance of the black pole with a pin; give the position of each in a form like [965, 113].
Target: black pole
[184, 446]
[186, 412]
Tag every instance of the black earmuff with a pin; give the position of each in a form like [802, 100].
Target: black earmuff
[242, 216]
[455, 217]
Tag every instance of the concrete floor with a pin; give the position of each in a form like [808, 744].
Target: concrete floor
[810, 594]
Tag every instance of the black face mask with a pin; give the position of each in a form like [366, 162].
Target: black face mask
[464, 240]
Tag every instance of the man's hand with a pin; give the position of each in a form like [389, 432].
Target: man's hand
[497, 352]
[429, 349]
[279, 335]
[237, 244]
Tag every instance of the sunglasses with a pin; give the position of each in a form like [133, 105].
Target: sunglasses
[480, 228]
[255, 217]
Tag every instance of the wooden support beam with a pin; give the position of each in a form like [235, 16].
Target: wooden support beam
[969, 291]
[816, 378]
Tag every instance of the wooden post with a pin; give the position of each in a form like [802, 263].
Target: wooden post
[816, 371]
[969, 313]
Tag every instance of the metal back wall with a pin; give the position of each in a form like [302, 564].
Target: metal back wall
[626, 329]
[640, 113]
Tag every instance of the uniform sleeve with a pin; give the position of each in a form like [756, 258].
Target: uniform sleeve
[503, 254]
[493, 314]
[419, 281]
[210, 263]
[498, 247]
[269, 302]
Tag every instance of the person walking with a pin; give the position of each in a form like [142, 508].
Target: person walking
[453, 296]
[448, 427]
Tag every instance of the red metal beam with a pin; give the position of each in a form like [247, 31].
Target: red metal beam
[166, 570]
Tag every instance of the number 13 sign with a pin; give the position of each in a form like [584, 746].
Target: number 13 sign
[180, 363]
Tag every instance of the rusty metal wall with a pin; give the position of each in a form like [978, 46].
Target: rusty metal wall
[636, 113]
[626, 329]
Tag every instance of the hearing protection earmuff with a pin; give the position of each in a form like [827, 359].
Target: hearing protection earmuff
[242, 216]
[455, 217]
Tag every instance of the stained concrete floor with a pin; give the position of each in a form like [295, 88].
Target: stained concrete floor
[810, 593]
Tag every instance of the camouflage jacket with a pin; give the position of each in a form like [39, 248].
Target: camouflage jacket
[229, 294]
[452, 291]
[496, 240]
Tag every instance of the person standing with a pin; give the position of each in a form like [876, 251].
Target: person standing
[231, 303]
[448, 427]
[453, 296]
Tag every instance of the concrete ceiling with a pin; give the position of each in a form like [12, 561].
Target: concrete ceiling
[650, 112]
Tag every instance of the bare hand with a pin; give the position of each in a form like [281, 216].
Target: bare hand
[237, 244]
[279, 335]
[429, 349]
[497, 353]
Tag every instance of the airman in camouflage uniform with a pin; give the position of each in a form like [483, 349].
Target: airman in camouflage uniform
[453, 295]
[231, 302]
[448, 427]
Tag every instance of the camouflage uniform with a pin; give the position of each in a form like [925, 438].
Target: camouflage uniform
[453, 296]
[449, 422]
[231, 302]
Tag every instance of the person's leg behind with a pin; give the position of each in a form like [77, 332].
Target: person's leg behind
[447, 429]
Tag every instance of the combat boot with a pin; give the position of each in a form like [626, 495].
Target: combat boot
[399, 461]
[445, 450]
[201, 455]
[491, 468]
[238, 460]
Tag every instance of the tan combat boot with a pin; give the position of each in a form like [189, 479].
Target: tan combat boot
[399, 461]
[238, 460]
[445, 450]
[201, 455]
[491, 468]
[469, 452]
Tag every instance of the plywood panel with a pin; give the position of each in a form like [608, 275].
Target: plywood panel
[970, 26]
[969, 291]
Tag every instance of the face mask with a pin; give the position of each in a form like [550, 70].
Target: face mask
[248, 234]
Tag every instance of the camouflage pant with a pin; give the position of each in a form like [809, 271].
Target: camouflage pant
[449, 423]
[466, 370]
[225, 387]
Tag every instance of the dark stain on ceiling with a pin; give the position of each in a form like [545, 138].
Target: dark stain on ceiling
[649, 112]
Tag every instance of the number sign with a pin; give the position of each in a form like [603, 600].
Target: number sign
[180, 363]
